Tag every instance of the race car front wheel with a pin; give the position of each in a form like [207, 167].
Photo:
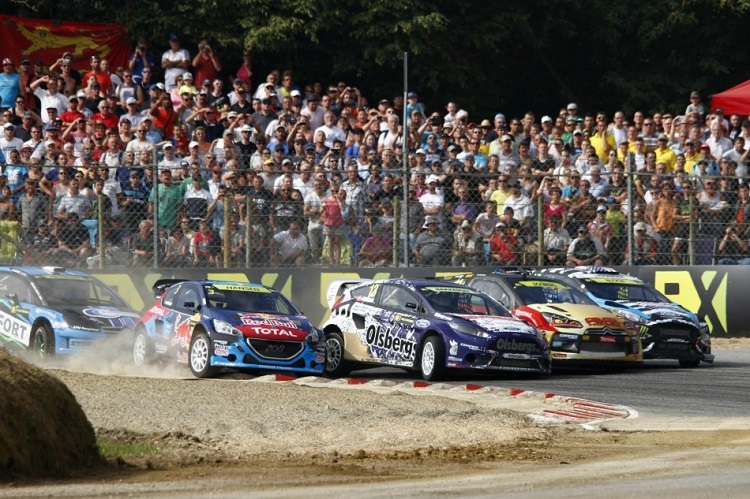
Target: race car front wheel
[336, 365]
[432, 360]
[200, 356]
[42, 343]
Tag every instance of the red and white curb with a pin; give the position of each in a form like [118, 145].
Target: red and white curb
[544, 407]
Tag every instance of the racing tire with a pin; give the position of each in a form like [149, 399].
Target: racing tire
[199, 356]
[143, 354]
[336, 365]
[690, 363]
[432, 359]
[42, 344]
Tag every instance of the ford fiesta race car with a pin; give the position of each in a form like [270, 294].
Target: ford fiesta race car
[579, 331]
[428, 326]
[54, 311]
[217, 324]
[667, 330]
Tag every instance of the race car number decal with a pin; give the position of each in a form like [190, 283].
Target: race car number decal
[15, 329]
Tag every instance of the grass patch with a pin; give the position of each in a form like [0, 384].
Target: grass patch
[113, 448]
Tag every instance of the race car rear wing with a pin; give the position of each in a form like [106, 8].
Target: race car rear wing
[163, 284]
[337, 288]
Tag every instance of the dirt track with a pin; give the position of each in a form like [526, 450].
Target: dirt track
[232, 437]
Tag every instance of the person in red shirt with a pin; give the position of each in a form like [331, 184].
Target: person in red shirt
[72, 114]
[103, 78]
[205, 243]
[106, 116]
[503, 246]
[206, 63]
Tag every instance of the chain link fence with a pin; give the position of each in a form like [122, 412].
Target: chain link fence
[372, 215]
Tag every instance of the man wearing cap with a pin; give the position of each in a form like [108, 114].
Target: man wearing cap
[585, 250]
[10, 85]
[645, 247]
[664, 154]
[175, 61]
[9, 142]
[467, 246]
[432, 247]
[503, 149]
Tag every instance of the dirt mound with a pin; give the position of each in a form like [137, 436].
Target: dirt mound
[43, 430]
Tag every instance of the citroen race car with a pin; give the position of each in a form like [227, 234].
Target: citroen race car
[428, 326]
[667, 329]
[219, 324]
[579, 331]
[55, 311]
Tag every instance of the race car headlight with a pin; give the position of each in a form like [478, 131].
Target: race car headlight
[560, 320]
[469, 329]
[59, 324]
[223, 327]
[632, 317]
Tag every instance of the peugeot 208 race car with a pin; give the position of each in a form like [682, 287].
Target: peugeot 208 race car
[429, 326]
[667, 329]
[216, 324]
[55, 311]
[578, 330]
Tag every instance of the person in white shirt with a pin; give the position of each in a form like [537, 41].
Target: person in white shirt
[8, 142]
[175, 62]
[50, 98]
[330, 129]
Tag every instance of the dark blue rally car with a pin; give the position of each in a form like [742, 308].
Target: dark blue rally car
[211, 325]
[428, 326]
[55, 311]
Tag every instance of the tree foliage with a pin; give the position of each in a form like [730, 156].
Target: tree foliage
[506, 55]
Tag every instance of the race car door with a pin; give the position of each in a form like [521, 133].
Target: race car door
[391, 336]
[185, 307]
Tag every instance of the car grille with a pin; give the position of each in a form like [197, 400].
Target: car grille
[605, 341]
[275, 349]
[670, 331]
[518, 363]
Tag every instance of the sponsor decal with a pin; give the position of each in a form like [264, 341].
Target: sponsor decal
[515, 356]
[276, 333]
[602, 321]
[564, 336]
[75, 343]
[160, 348]
[382, 336]
[183, 333]
[182, 357]
[421, 323]
[523, 313]
[220, 348]
[513, 345]
[607, 339]
[158, 311]
[473, 348]
[14, 328]
[102, 313]
[541, 284]
[265, 320]
[453, 347]
[497, 325]
[555, 355]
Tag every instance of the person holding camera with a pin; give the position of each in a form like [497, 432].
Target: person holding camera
[206, 63]
[140, 59]
[733, 248]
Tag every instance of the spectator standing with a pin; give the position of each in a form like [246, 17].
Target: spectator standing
[170, 200]
[206, 63]
[175, 62]
[11, 85]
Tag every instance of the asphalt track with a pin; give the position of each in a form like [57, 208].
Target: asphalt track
[660, 388]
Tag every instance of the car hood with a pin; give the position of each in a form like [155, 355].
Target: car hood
[657, 311]
[98, 317]
[497, 324]
[572, 310]
[267, 326]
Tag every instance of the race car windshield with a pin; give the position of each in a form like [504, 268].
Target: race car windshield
[618, 291]
[461, 301]
[249, 300]
[73, 290]
[539, 293]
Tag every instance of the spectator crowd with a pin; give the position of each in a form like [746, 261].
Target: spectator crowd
[198, 165]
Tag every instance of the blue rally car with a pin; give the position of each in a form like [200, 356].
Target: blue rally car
[428, 326]
[212, 325]
[55, 311]
[667, 329]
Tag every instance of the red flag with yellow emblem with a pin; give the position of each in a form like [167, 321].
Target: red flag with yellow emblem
[24, 38]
